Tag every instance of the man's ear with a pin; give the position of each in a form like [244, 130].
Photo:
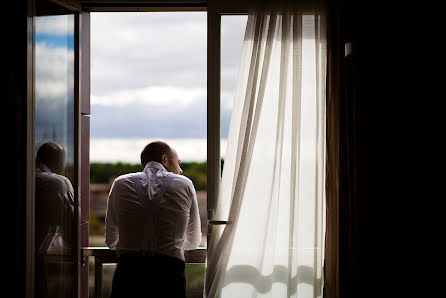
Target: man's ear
[164, 160]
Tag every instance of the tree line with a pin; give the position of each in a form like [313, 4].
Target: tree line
[107, 172]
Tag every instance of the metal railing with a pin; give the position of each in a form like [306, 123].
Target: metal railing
[104, 255]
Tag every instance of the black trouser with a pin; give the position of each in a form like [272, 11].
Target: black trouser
[149, 276]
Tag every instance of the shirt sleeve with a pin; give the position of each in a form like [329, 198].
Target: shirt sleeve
[111, 224]
[193, 230]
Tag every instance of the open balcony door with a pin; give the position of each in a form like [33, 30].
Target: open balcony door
[62, 64]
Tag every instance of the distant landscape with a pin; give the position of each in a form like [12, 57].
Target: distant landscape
[104, 172]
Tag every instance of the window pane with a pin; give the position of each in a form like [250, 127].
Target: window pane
[54, 139]
[232, 35]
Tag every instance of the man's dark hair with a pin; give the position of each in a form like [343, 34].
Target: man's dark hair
[52, 155]
[153, 152]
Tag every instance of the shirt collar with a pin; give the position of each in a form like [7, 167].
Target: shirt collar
[154, 165]
[41, 167]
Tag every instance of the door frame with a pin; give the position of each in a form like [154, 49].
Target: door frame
[81, 10]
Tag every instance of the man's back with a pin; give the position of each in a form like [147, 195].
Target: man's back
[152, 217]
[54, 205]
[177, 221]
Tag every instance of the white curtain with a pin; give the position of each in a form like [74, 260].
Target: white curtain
[272, 191]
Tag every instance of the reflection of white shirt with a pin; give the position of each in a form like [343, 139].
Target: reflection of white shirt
[179, 226]
[54, 209]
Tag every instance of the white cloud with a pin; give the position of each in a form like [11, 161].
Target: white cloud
[54, 71]
[150, 60]
[129, 150]
[55, 25]
[155, 96]
[140, 50]
[137, 50]
[189, 149]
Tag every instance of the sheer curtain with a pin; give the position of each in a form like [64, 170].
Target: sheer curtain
[272, 191]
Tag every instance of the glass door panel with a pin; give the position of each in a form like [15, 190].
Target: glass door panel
[55, 223]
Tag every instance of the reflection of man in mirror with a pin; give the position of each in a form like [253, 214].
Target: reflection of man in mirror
[54, 200]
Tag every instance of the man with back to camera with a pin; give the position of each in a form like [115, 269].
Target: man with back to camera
[152, 217]
[54, 207]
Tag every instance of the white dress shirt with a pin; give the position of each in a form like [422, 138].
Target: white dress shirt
[54, 210]
[179, 225]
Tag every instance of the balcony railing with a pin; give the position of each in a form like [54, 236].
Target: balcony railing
[104, 255]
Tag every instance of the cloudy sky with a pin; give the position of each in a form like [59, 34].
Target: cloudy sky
[148, 81]
[54, 81]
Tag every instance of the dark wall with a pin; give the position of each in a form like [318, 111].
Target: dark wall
[357, 174]
[15, 143]
[371, 251]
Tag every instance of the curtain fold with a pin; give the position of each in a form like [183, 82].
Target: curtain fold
[272, 191]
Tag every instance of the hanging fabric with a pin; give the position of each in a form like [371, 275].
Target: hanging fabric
[272, 192]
